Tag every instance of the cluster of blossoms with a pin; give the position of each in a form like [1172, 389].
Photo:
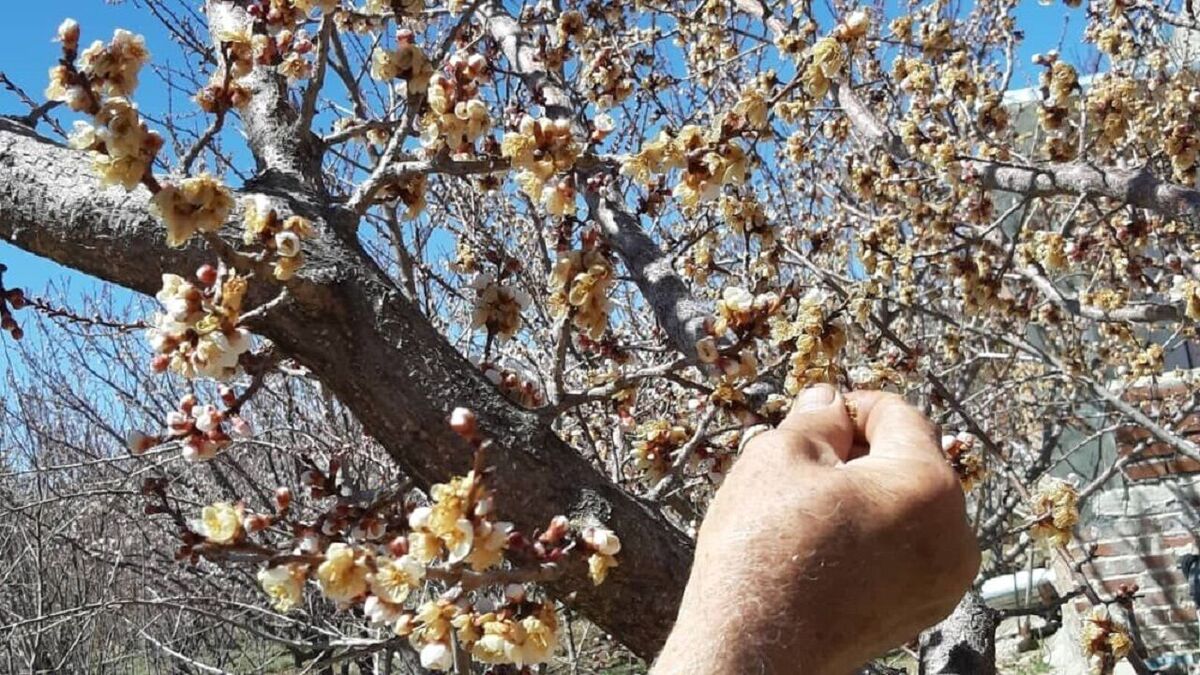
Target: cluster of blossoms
[1049, 249]
[198, 204]
[963, 452]
[408, 8]
[407, 189]
[123, 148]
[709, 159]
[457, 117]
[813, 338]
[280, 237]
[1112, 102]
[1059, 81]
[745, 316]
[497, 307]
[197, 332]
[267, 36]
[102, 70]
[579, 285]
[435, 575]
[406, 62]
[829, 58]
[203, 430]
[98, 82]
[541, 148]
[1105, 641]
[657, 443]
[607, 78]
[1055, 512]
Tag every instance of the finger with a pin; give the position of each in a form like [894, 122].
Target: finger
[892, 427]
[819, 416]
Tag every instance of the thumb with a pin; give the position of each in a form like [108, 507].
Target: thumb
[819, 415]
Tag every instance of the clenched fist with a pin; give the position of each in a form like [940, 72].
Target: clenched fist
[833, 539]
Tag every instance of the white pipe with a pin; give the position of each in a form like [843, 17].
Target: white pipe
[1013, 591]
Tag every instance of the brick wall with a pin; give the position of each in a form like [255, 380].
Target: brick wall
[1138, 533]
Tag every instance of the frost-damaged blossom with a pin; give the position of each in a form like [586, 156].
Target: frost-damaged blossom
[307, 6]
[710, 159]
[197, 333]
[657, 440]
[540, 149]
[407, 62]
[122, 147]
[198, 204]
[1055, 511]
[1105, 641]
[457, 117]
[497, 307]
[963, 452]
[579, 285]
[264, 227]
[1186, 292]
[813, 339]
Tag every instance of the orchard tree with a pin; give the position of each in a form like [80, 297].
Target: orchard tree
[562, 260]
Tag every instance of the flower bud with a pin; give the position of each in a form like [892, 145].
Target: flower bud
[240, 428]
[68, 35]
[160, 363]
[138, 442]
[187, 403]
[255, 522]
[207, 274]
[463, 423]
[559, 526]
[283, 498]
[398, 546]
[16, 298]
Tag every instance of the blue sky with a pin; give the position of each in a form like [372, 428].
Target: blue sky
[28, 31]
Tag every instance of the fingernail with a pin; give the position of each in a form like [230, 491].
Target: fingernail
[817, 396]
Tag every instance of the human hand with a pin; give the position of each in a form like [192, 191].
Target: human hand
[831, 540]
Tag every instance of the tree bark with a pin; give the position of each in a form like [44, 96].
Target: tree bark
[964, 643]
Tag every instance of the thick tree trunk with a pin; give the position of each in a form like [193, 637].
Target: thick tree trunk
[346, 321]
[963, 644]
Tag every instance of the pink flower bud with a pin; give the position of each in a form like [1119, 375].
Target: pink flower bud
[138, 442]
[241, 428]
[283, 498]
[207, 274]
[160, 363]
[398, 546]
[559, 526]
[255, 522]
